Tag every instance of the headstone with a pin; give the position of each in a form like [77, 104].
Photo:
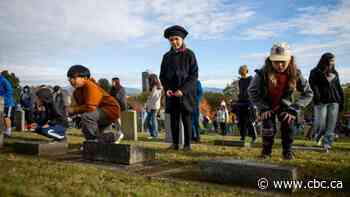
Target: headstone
[246, 173]
[117, 153]
[234, 143]
[40, 148]
[129, 125]
[1, 121]
[168, 134]
[308, 148]
[19, 120]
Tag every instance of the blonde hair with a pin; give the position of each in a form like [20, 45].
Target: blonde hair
[291, 71]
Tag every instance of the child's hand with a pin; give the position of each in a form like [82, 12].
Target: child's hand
[169, 93]
[266, 115]
[288, 117]
[178, 93]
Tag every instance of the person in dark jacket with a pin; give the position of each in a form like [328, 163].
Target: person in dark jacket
[195, 114]
[118, 92]
[27, 103]
[271, 92]
[328, 98]
[178, 75]
[245, 109]
[50, 120]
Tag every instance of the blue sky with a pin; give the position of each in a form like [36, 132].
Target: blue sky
[40, 39]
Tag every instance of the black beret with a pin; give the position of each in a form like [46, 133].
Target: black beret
[78, 70]
[175, 30]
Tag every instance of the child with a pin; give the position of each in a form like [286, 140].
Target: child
[222, 118]
[50, 121]
[6, 91]
[97, 109]
[271, 92]
[27, 104]
[153, 104]
[179, 74]
[328, 99]
[245, 109]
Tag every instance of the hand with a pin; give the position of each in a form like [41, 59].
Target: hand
[288, 117]
[169, 93]
[178, 93]
[266, 115]
[45, 126]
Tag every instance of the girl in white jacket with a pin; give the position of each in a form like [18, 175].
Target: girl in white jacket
[153, 105]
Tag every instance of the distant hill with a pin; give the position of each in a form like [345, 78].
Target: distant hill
[211, 89]
[132, 91]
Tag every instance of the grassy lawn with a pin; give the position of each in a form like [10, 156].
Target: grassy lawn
[23, 175]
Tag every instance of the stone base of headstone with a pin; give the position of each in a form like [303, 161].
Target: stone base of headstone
[1, 139]
[168, 134]
[246, 173]
[308, 148]
[117, 153]
[235, 143]
[19, 119]
[129, 125]
[40, 148]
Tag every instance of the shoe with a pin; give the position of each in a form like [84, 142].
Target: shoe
[7, 135]
[187, 148]
[119, 136]
[289, 155]
[173, 147]
[253, 140]
[327, 148]
[319, 141]
[150, 137]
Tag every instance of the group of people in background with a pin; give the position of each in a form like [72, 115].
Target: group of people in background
[267, 97]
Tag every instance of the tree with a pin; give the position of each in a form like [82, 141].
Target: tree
[213, 99]
[104, 83]
[15, 82]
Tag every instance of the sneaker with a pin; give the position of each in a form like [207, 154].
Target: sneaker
[319, 141]
[187, 148]
[119, 136]
[253, 140]
[289, 155]
[173, 147]
[327, 148]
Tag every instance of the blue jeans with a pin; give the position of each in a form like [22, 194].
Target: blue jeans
[325, 120]
[195, 124]
[152, 123]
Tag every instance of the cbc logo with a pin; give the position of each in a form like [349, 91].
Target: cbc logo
[263, 183]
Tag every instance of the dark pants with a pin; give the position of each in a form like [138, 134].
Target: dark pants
[28, 114]
[223, 128]
[175, 126]
[269, 131]
[94, 123]
[245, 123]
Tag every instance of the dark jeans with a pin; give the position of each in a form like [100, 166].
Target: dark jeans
[245, 123]
[223, 128]
[269, 131]
[28, 114]
[195, 124]
[175, 126]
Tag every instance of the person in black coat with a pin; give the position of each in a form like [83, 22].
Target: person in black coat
[328, 99]
[178, 75]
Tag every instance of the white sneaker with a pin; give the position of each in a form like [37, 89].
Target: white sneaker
[327, 148]
[119, 136]
[320, 141]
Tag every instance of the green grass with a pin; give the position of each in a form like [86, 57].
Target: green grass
[23, 175]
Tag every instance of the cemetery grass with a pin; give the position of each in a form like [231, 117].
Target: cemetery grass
[24, 175]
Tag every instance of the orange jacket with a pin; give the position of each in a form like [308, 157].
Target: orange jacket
[91, 96]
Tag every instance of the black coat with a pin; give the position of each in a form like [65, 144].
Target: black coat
[179, 71]
[326, 91]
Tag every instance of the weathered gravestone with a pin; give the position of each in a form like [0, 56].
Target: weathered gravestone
[129, 125]
[1, 121]
[19, 120]
[168, 134]
[234, 143]
[117, 153]
[40, 148]
[246, 173]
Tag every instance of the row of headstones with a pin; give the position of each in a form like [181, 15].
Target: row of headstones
[242, 172]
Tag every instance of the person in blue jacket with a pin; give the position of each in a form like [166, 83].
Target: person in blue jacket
[195, 114]
[6, 91]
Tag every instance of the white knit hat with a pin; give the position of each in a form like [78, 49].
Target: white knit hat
[280, 52]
